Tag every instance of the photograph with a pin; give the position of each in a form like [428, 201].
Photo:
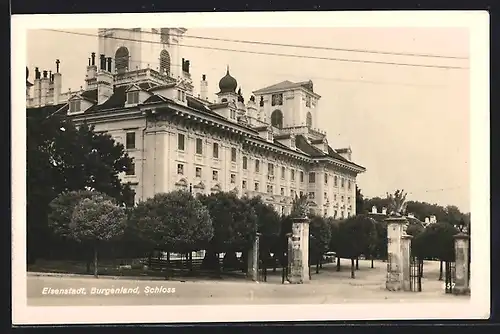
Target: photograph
[250, 167]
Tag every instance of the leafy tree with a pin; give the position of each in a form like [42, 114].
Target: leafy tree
[173, 222]
[62, 158]
[436, 241]
[378, 202]
[414, 229]
[320, 237]
[356, 235]
[359, 201]
[235, 225]
[95, 221]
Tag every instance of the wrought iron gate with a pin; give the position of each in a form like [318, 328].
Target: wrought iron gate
[449, 277]
[416, 274]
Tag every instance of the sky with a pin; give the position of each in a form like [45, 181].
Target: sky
[408, 126]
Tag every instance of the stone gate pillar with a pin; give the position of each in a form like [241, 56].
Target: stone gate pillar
[299, 251]
[406, 253]
[394, 281]
[462, 245]
[253, 259]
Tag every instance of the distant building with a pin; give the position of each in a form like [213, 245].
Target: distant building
[142, 94]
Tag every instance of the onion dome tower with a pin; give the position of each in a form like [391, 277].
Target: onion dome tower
[227, 87]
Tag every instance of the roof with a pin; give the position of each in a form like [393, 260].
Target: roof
[284, 85]
[261, 128]
[317, 141]
[90, 95]
[343, 150]
[117, 100]
[283, 136]
[153, 88]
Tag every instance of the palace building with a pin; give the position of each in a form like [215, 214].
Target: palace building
[269, 145]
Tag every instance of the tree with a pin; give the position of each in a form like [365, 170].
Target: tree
[95, 221]
[60, 213]
[62, 158]
[268, 225]
[377, 202]
[320, 237]
[436, 241]
[173, 222]
[235, 225]
[359, 201]
[356, 235]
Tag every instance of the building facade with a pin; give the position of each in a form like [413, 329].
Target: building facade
[268, 146]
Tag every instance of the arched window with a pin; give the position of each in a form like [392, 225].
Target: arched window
[164, 62]
[122, 59]
[277, 119]
[309, 120]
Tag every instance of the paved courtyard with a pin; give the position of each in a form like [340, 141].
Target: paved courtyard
[327, 287]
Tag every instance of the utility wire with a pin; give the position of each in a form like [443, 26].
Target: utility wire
[268, 53]
[313, 47]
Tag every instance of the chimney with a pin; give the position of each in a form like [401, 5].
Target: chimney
[57, 84]
[203, 87]
[44, 89]
[103, 63]
[384, 211]
[37, 90]
[374, 209]
[104, 81]
[433, 219]
[427, 221]
[90, 78]
[411, 215]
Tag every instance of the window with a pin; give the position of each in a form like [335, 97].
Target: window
[256, 186]
[325, 195]
[342, 183]
[334, 214]
[181, 95]
[133, 97]
[180, 169]
[342, 198]
[326, 178]
[277, 119]
[245, 163]
[216, 151]
[269, 189]
[311, 195]
[301, 193]
[198, 171]
[349, 184]
[164, 62]
[334, 197]
[199, 146]
[130, 140]
[215, 175]
[283, 170]
[309, 120]
[233, 178]
[233, 114]
[257, 166]
[336, 181]
[122, 60]
[233, 154]
[312, 177]
[292, 174]
[301, 176]
[277, 99]
[131, 170]
[348, 200]
[308, 101]
[180, 142]
[270, 169]
[244, 184]
[75, 106]
[282, 191]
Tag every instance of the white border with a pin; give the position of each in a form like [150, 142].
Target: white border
[477, 308]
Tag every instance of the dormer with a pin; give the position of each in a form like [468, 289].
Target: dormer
[286, 139]
[168, 91]
[346, 153]
[135, 96]
[321, 144]
[78, 104]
